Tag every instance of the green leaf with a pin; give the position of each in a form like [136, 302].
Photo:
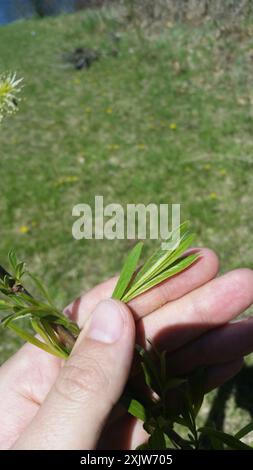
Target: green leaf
[244, 431]
[33, 340]
[173, 383]
[230, 441]
[165, 382]
[39, 312]
[13, 317]
[137, 410]
[147, 376]
[150, 370]
[41, 288]
[16, 300]
[160, 257]
[180, 420]
[127, 271]
[12, 257]
[197, 382]
[51, 342]
[20, 270]
[159, 262]
[53, 338]
[134, 406]
[164, 275]
[216, 444]
[187, 413]
[7, 319]
[29, 299]
[157, 440]
[5, 306]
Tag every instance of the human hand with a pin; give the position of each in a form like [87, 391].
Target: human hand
[47, 405]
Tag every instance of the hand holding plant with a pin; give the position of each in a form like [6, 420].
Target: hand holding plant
[183, 316]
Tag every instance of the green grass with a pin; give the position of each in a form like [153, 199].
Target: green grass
[169, 120]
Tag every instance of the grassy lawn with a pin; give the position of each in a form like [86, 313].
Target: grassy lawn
[167, 120]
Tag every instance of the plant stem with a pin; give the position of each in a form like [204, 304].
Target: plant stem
[65, 336]
[13, 284]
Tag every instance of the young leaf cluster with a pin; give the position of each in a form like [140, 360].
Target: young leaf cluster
[162, 265]
[56, 330]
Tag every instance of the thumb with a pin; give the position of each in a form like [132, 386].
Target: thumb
[89, 384]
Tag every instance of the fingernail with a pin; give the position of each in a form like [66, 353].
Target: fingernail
[107, 322]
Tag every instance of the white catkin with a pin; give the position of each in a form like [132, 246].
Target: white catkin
[10, 86]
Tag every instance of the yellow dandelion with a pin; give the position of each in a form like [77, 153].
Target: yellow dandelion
[207, 167]
[222, 172]
[113, 147]
[108, 110]
[141, 146]
[213, 196]
[77, 81]
[173, 126]
[66, 180]
[23, 229]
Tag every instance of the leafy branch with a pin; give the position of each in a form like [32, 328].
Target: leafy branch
[56, 330]
[56, 334]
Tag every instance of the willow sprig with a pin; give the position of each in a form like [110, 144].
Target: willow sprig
[56, 330]
[162, 265]
[56, 334]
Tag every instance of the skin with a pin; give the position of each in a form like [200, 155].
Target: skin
[45, 404]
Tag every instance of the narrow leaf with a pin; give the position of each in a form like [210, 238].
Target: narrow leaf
[157, 440]
[20, 270]
[161, 260]
[150, 370]
[134, 406]
[244, 431]
[12, 259]
[39, 328]
[173, 383]
[164, 275]
[33, 340]
[41, 288]
[127, 271]
[197, 383]
[5, 306]
[231, 441]
[13, 317]
[157, 258]
[137, 410]
[216, 444]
